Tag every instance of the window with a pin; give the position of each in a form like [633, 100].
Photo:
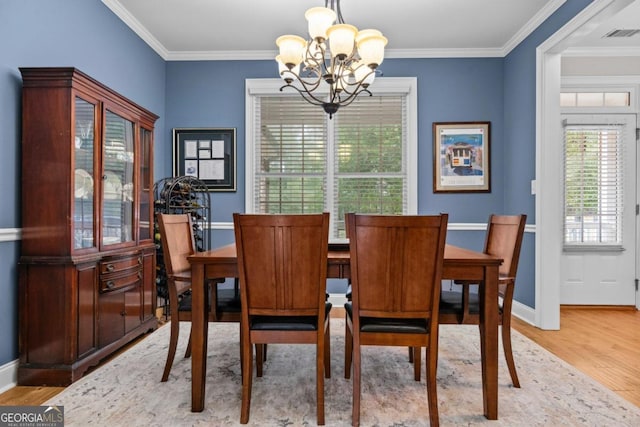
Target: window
[363, 160]
[593, 185]
[595, 99]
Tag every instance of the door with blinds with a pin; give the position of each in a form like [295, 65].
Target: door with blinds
[598, 262]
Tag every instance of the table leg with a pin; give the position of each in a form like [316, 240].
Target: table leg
[199, 333]
[489, 341]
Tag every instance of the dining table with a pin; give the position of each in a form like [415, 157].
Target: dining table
[459, 263]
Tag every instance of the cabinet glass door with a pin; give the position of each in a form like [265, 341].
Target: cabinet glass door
[146, 185]
[83, 220]
[117, 180]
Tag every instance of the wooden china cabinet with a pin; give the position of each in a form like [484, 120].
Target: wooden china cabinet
[87, 265]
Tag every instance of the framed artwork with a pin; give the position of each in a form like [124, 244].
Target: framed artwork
[208, 154]
[461, 157]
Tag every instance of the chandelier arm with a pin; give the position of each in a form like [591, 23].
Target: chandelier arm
[308, 86]
[305, 95]
[349, 99]
[358, 86]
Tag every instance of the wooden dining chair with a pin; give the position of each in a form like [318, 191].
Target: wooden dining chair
[504, 240]
[176, 235]
[396, 269]
[282, 264]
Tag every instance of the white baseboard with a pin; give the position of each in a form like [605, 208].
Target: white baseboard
[524, 312]
[8, 375]
[337, 300]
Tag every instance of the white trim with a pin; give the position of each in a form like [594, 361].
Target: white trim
[531, 26]
[603, 51]
[137, 27]
[490, 52]
[453, 226]
[548, 155]
[523, 312]
[337, 300]
[407, 86]
[9, 375]
[605, 82]
[10, 234]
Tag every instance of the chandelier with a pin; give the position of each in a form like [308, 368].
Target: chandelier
[339, 55]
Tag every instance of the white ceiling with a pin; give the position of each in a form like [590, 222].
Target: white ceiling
[247, 29]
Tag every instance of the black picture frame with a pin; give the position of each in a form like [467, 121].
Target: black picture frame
[461, 157]
[208, 154]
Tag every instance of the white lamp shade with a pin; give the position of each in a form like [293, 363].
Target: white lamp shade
[283, 70]
[291, 49]
[363, 73]
[341, 39]
[371, 45]
[320, 19]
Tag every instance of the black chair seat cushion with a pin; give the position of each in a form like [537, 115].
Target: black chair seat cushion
[287, 323]
[451, 302]
[379, 324]
[227, 301]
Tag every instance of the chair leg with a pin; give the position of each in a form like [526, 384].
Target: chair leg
[259, 359]
[416, 363]
[173, 344]
[320, 369]
[327, 350]
[247, 377]
[432, 386]
[355, 411]
[187, 353]
[348, 350]
[410, 354]
[508, 353]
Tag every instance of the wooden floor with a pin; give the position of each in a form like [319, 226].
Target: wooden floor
[604, 343]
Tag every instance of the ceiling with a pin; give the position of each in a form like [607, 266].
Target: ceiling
[247, 29]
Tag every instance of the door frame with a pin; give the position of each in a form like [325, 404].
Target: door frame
[548, 205]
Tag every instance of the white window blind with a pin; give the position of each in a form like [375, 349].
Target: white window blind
[302, 162]
[291, 157]
[370, 152]
[593, 185]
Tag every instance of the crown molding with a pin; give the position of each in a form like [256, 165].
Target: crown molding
[548, 10]
[602, 51]
[137, 27]
[498, 52]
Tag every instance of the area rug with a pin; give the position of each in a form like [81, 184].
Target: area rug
[127, 391]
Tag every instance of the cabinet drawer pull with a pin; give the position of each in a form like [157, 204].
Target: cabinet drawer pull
[111, 267]
[139, 260]
[110, 284]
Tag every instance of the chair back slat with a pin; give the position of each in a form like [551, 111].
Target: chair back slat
[395, 263]
[176, 234]
[504, 240]
[283, 262]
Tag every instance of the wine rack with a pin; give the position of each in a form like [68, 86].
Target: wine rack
[180, 195]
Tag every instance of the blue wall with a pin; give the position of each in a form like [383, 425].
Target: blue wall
[48, 33]
[519, 133]
[87, 35]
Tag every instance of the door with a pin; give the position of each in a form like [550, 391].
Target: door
[598, 262]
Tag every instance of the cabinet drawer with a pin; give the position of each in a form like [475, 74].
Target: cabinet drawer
[111, 283]
[115, 265]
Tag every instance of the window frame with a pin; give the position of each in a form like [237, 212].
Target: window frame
[605, 121]
[403, 86]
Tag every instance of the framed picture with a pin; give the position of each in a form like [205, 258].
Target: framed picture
[461, 157]
[207, 154]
